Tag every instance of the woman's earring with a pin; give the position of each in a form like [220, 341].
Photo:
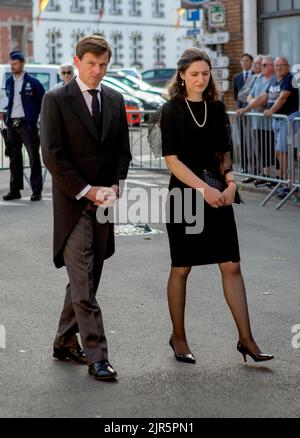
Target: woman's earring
[182, 83]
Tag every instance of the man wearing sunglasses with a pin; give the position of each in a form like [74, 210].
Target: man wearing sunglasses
[66, 73]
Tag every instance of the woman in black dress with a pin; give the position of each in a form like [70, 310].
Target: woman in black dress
[196, 137]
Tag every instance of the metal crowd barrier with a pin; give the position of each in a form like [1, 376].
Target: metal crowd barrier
[295, 134]
[4, 160]
[142, 157]
[254, 137]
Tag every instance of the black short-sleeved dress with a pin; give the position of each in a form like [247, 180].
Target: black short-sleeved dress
[207, 148]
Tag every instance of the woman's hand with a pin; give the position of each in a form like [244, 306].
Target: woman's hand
[229, 194]
[214, 197]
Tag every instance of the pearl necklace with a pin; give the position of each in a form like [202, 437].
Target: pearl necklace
[194, 118]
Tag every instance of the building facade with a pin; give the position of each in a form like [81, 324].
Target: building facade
[142, 34]
[261, 26]
[15, 28]
[279, 28]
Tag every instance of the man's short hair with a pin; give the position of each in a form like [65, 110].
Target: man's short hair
[95, 44]
[17, 55]
[247, 54]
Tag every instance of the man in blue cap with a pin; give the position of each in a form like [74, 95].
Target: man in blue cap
[25, 95]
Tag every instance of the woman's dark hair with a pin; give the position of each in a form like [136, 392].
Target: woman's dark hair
[177, 90]
[95, 44]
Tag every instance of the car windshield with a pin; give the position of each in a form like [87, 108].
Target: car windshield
[131, 81]
[141, 84]
[119, 84]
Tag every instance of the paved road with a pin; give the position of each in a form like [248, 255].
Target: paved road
[133, 297]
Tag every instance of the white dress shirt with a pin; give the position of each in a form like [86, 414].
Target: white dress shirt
[88, 100]
[248, 73]
[17, 108]
[87, 96]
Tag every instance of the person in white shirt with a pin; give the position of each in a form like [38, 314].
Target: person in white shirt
[25, 95]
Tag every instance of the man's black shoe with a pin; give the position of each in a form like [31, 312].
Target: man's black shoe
[102, 370]
[75, 354]
[36, 197]
[12, 195]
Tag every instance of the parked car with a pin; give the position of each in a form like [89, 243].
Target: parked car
[158, 76]
[138, 84]
[149, 101]
[131, 104]
[47, 74]
[127, 71]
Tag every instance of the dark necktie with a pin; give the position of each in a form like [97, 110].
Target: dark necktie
[246, 76]
[95, 107]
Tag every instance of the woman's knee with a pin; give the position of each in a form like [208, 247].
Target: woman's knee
[182, 271]
[230, 268]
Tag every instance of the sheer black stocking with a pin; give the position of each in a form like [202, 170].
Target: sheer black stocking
[235, 295]
[176, 299]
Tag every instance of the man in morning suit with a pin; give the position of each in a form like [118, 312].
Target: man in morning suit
[85, 146]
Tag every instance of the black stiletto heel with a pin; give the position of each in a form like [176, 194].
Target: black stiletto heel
[180, 356]
[261, 357]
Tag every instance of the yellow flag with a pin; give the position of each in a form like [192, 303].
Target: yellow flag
[42, 6]
[180, 12]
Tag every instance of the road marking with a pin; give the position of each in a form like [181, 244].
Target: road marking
[14, 204]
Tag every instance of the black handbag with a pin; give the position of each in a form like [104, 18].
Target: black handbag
[217, 183]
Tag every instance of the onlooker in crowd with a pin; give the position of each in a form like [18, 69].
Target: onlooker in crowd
[66, 72]
[263, 143]
[256, 72]
[240, 79]
[25, 95]
[281, 98]
[238, 83]
[243, 95]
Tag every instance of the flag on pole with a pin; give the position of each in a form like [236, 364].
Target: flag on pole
[42, 6]
[180, 12]
[101, 9]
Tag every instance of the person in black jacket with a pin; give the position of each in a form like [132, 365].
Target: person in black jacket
[240, 79]
[85, 147]
[239, 82]
[25, 95]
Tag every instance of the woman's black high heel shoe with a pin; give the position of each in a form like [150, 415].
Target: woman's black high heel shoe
[180, 356]
[261, 357]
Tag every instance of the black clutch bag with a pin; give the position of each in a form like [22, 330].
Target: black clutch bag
[218, 183]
